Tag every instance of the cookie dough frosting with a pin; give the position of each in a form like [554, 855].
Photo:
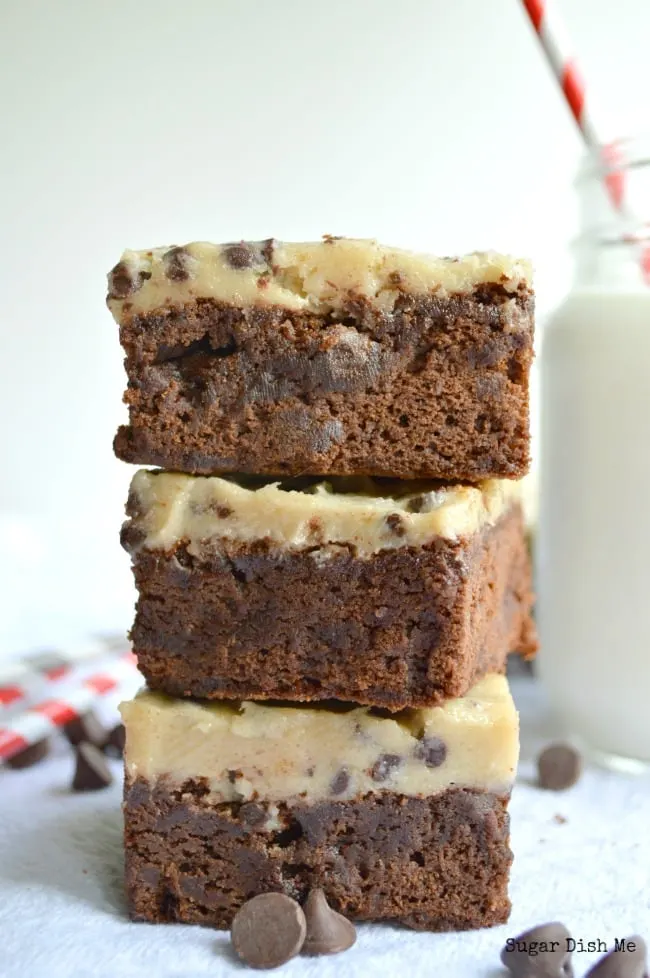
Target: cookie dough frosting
[248, 751]
[318, 276]
[370, 515]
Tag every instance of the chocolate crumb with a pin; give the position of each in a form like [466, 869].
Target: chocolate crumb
[267, 251]
[560, 819]
[384, 767]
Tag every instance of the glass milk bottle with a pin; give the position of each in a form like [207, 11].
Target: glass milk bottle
[594, 537]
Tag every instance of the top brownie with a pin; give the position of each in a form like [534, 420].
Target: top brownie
[341, 357]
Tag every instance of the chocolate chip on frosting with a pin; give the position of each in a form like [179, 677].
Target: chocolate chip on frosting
[384, 766]
[239, 255]
[340, 782]
[176, 264]
[395, 524]
[431, 750]
[124, 280]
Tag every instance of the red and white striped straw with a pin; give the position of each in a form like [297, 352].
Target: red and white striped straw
[42, 719]
[554, 41]
[24, 678]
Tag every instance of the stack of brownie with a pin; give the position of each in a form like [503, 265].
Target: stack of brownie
[332, 571]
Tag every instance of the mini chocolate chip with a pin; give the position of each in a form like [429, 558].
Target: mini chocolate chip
[340, 782]
[559, 767]
[416, 504]
[431, 750]
[223, 512]
[124, 281]
[331, 238]
[395, 278]
[114, 743]
[628, 961]
[30, 755]
[86, 728]
[176, 264]
[268, 930]
[395, 523]
[134, 507]
[540, 951]
[328, 932]
[234, 776]
[131, 537]
[250, 813]
[92, 771]
[384, 766]
[239, 255]
[268, 250]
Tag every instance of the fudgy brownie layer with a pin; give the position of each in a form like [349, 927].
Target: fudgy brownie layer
[404, 627]
[438, 863]
[435, 388]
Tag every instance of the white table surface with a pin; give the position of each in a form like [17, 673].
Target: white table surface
[62, 911]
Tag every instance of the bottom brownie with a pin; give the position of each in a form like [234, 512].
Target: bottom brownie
[436, 863]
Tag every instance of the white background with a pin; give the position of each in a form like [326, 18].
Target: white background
[430, 124]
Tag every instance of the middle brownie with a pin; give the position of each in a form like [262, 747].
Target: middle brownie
[384, 593]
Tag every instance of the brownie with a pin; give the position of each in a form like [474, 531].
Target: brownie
[396, 816]
[341, 357]
[438, 864]
[391, 608]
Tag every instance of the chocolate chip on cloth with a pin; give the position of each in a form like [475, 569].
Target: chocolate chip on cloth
[540, 952]
[628, 963]
[86, 728]
[30, 755]
[328, 932]
[559, 767]
[92, 772]
[268, 930]
[114, 743]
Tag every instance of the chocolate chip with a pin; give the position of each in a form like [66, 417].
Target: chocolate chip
[223, 512]
[176, 264]
[252, 814]
[559, 767]
[114, 743]
[431, 750]
[239, 255]
[268, 250]
[30, 755]
[328, 932]
[268, 930]
[92, 771]
[540, 952]
[132, 537]
[416, 504]
[124, 281]
[340, 782]
[331, 238]
[626, 961]
[395, 524]
[86, 728]
[384, 766]
[234, 775]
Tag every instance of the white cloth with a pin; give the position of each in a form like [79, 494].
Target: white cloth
[62, 911]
